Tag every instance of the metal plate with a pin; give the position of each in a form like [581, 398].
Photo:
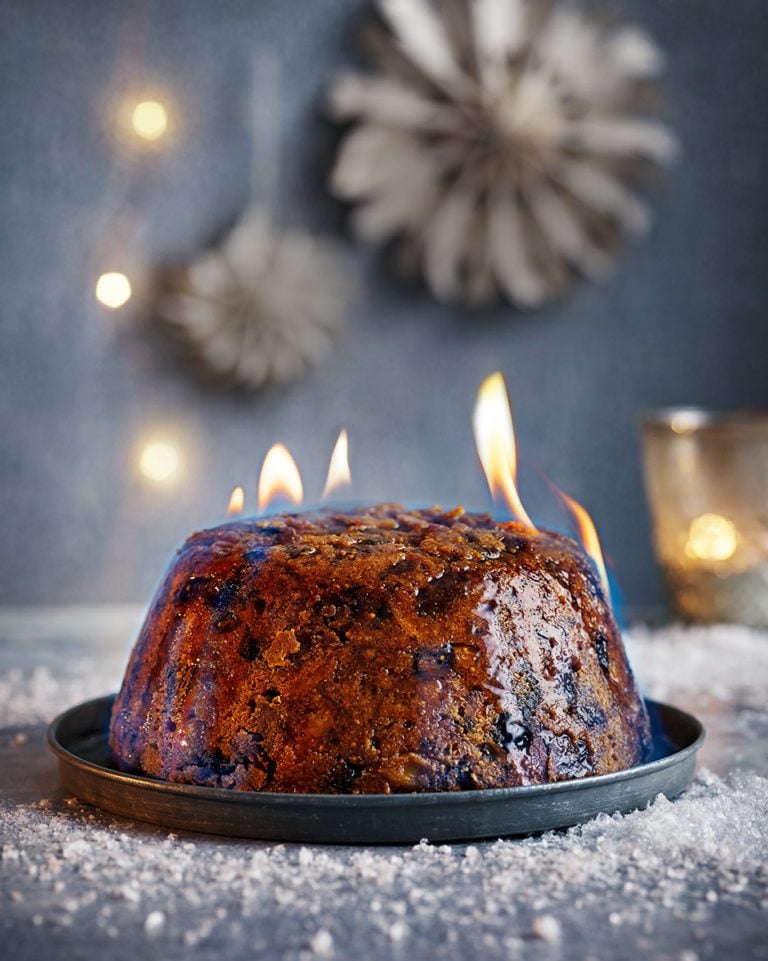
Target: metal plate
[79, 739]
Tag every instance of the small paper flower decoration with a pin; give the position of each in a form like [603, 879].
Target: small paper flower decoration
[263, 306]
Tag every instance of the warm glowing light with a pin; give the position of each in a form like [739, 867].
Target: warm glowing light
[495, 440]
[589, 538]
[159, 461]
[279, 476]
[339, 475]
[236, 501]
[711, 538]
[113, 290]
[149, 119]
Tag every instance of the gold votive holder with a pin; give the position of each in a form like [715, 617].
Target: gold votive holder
[706, 476]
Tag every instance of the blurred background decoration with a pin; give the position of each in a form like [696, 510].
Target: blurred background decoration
[134, 136]
[499, 142]
[263, 305]
[707, 480]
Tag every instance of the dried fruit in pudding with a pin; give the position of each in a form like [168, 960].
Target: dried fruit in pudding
[376, 652]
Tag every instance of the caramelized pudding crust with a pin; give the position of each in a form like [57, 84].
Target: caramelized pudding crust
[376, 652]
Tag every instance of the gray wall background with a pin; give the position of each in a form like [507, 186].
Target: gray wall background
[682, 321]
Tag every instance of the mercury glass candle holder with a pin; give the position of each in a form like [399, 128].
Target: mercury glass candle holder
[706, 476]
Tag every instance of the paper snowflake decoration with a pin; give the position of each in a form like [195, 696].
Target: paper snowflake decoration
[263, 306]
[499, 142]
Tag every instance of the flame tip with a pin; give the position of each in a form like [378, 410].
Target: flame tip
[236, 500]
[588, 536]
[279, 476]
[495, 441]
[236, 503]
[339, 475]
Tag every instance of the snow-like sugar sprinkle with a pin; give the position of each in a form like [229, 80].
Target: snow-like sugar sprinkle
[671, 874]
[546, 928]
[153, 922]
[322, 943]
[683, 860]
[724, 662]
[398, 931]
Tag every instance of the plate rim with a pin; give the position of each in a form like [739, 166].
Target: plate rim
[416, 798]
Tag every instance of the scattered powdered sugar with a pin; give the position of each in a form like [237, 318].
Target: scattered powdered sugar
[724, 662]
[718, 673]
[71, 655]
[153, 922]
[28, 697]
[680, 880]
[546, 928]
[322, 943]
[702, 856]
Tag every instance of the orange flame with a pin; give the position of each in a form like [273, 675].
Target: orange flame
[279, 476]
[495, 441]
[339, 475]
[589, 538]
[236, 501]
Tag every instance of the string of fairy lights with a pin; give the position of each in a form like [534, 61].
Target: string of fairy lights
[149, 123]
[159, 460]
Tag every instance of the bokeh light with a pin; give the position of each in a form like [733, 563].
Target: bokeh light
[113, 289]
[159, 461]
[149, 119]
[711, 538]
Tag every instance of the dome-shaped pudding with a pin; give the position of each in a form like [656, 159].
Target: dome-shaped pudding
[376, 652]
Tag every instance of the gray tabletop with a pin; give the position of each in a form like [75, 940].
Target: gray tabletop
[681, 880]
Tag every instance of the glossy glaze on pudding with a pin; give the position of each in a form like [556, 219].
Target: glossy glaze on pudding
[376, 652]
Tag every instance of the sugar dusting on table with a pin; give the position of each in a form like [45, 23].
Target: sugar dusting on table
[707, 852]
[683, 867]
[723, 662]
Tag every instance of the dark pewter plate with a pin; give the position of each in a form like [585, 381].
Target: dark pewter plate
[79, 739]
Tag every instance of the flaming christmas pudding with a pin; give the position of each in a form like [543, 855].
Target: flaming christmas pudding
[381, 650]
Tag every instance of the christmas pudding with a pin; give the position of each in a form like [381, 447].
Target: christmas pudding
[375, 652]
